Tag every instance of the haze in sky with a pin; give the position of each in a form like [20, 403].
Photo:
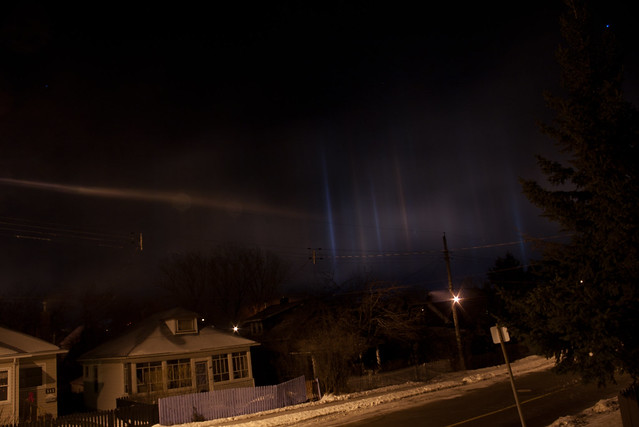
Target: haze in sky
[361, 128]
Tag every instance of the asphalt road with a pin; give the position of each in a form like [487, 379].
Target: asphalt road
[544, 397]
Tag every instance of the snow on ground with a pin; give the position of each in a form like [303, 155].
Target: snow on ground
[605, 413]
[351, 406]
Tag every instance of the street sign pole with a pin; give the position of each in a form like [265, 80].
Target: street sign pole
[500, 334]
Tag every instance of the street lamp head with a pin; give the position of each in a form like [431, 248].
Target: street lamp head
[456, 299]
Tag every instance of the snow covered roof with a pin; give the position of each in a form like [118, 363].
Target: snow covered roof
[153, 336]
[17, 344]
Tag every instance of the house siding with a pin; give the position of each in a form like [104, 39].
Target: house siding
[111, 383]
[29, 401]
[42, 399]
[100, 392]
[7, 407]
[28, 367]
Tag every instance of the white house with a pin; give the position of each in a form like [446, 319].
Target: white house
[165, 354]
[28, 377]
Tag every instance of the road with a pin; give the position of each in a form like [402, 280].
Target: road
[544, 396]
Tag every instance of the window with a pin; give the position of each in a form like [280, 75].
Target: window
[179, 373]
[220, 368]
[4, 386]
[149, 377]
[127, 378]
[240, 365]
[257, 328]
[31, 377]
[186, 325]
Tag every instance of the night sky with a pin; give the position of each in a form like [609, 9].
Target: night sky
[367, 129]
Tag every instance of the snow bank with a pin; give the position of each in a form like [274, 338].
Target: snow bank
[348, 404]
[604, 413]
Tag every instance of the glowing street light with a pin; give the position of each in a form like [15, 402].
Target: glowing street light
[456, 299]
[235, 329]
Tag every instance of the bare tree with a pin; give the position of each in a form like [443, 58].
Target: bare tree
[230, 283]
[188, 280]
[340, 328]
[334, 345]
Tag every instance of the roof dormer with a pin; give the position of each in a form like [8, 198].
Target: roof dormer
[182, 325]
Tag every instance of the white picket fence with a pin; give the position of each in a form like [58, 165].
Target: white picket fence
[229, 403]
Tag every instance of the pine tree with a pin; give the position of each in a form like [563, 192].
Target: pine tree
[585, 312]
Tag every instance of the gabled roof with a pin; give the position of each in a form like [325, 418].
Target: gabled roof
[271, 311]
[153, 337]
[17, 344]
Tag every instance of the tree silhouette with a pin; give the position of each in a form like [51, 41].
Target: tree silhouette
[226, 285]
[586, 311]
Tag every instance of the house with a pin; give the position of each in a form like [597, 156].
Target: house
[265, 320]
[28, 377]
[166, 354]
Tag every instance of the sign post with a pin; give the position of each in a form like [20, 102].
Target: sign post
[500, 335]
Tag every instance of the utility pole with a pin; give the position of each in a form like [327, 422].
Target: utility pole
[462, 362]
[315, 255]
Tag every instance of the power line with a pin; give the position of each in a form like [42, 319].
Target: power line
[398, 254]
[20, 228]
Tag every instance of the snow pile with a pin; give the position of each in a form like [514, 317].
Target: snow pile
[605, 413]
[606, 405]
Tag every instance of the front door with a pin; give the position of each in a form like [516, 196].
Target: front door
[202, 375]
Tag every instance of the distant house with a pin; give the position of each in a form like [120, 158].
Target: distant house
[166, 354]
[280, 328]
[263, 322]
[28, 377]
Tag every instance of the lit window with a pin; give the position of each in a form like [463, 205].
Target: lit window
[240, 365]
[4, 386]
[220, 368]
[179, 373]
[149, 377]
[186, 325]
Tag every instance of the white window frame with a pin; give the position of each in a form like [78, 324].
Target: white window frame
[184, 372]
[7, 385]
[182, 330]
[147, 365]
[240, 364]
[220, 361]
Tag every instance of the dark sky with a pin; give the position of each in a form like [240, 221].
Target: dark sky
[364, 128]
